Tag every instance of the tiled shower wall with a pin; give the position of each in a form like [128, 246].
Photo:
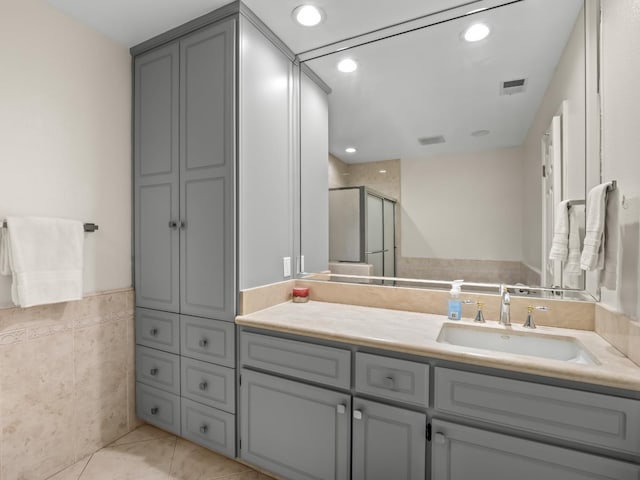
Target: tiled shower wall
[66, 382]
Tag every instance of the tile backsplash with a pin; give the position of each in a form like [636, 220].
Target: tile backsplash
[66, 382]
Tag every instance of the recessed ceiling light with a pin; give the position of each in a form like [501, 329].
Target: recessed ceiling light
[347, 65]
[476, 32]
[350, 150]
[308, 15]
[480, 133]
[382, 171]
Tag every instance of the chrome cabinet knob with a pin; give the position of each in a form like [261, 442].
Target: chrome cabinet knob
[204, 429]
[173, 224]
[389, 381]
[203, 386]
[154, 332]
[440, 438]
[153, 372]
[357, 414]
[203, 342]
[341, 409]
[154, 411]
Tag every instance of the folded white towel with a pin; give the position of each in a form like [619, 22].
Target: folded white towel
[592, 257]
[608, 274]
[45, 257]
[572, 270]
[560, 243]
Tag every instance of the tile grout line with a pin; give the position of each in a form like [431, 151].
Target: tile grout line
[85, 466]
[173, 455]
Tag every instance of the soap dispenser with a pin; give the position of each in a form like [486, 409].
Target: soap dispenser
[455, 305]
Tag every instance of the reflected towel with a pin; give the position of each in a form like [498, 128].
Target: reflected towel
[572, 270]
[45, 258]
[592, 257]
[560, 243]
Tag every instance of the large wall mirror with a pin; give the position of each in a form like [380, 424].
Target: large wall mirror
[446, 155]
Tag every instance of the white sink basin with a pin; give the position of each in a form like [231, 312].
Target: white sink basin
[553, 347]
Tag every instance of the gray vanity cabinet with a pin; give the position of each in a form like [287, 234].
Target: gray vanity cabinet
[462, 453]
[184, 177]
[295, 430]
[388, 442]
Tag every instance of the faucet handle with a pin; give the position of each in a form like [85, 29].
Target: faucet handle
[479, 316]
[529, 323]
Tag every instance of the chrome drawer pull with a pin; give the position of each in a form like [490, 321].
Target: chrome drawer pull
[154, 332]
[203, 342]
[203, 386]
[203, 429]
[153, 372]
[154, 411]
[389, 381]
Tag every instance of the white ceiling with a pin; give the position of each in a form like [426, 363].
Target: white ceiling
[130, 22]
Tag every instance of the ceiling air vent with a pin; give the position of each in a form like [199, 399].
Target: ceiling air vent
[431, 140]
[509, 87]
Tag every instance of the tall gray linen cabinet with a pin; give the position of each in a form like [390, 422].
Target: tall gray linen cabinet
[213, 175]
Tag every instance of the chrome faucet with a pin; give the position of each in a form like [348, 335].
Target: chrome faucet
[505, 306]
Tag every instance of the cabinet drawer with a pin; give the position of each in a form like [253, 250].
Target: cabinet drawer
[158, 369]
[159, 330]
[590, 418]
[209, 427]
[158, 408]
[391, 378]
[315, 363]
[207, 383]
[463, 453]
[208, 340]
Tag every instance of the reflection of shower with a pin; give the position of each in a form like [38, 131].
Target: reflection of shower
[362, 228]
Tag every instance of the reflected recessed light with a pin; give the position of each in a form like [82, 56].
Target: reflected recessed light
[476, 32]
[347, 65]
[382, 171]
[350, 150]
[308, 15]
[480, 133]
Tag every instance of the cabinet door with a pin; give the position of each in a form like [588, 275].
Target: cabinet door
[388, 442]
[156, 179]
[294, 430]
[461, 453]
[207, 255]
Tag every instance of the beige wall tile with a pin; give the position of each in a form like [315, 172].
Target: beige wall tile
[65, 377]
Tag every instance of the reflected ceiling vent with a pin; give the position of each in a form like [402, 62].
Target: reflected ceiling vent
[431, 140]
[509, 87]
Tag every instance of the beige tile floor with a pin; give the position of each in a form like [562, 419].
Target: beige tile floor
[151, 454]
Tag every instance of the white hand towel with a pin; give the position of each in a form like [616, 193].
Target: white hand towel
[572, 270]
[560, 243]
[592, 257]
[45, 257]
[609, 252]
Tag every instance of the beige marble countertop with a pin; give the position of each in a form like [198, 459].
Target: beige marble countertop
[416, 333]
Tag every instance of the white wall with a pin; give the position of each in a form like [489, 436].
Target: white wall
[463, 206]
[621, 141]
[65, 149]
[568, 83]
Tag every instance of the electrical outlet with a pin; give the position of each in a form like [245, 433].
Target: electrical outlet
[286, 266]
